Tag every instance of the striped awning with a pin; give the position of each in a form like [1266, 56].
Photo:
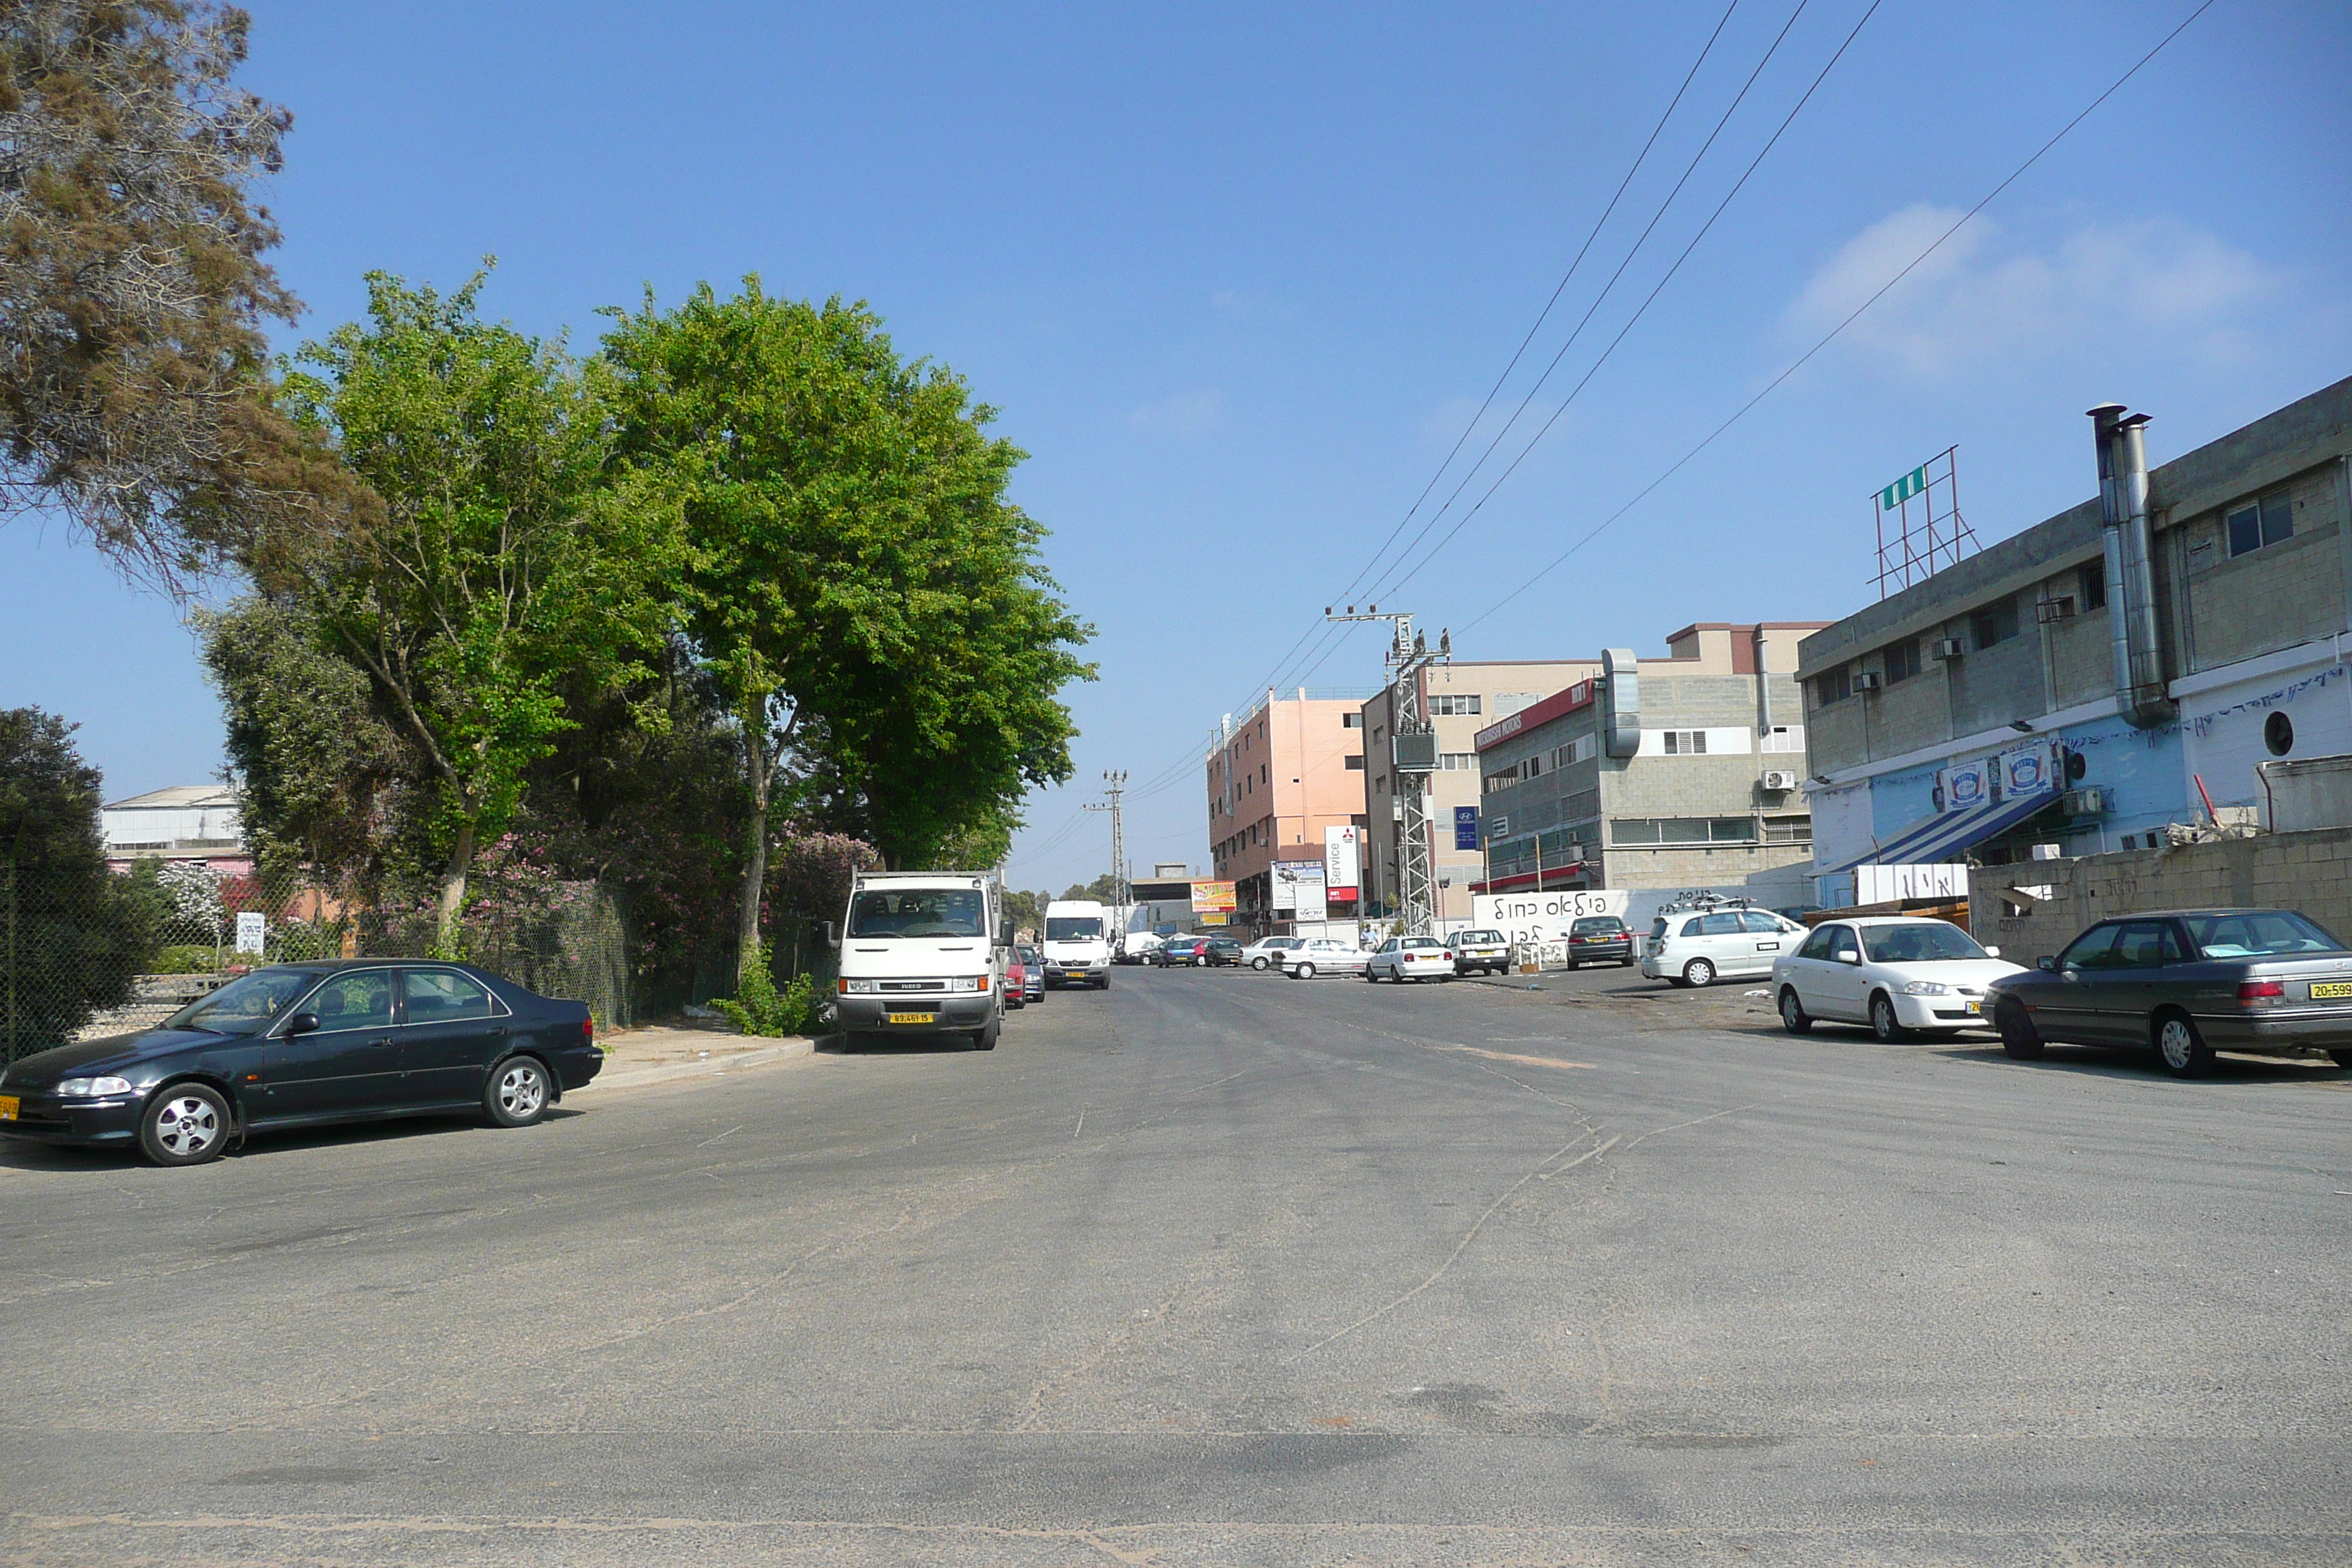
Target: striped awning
[1938, 839]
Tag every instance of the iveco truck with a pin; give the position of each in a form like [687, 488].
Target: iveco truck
[923, 952]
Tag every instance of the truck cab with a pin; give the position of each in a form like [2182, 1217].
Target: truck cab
[1077, 942]
[923, 952]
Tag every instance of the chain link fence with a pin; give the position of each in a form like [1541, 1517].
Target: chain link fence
[81, 958]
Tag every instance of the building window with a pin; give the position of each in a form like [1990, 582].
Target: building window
[1351, 720]
[1459, 762]
[1685, 742]
[1355, 765]
[1788, 830]
[1684, 831]
[1359, 819]
[2260, 523]
[1993, 624]
[1380, 784]
[1902, 660]
[2091, 585]
[1783, 738]
[1834, 687]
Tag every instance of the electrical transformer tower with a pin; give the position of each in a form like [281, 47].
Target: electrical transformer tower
[1413, 758]
[1115, 785]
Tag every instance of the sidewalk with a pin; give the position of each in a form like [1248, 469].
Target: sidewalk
[659, 1053]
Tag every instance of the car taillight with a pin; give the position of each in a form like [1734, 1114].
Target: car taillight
[2256, 991]
[588, 1033]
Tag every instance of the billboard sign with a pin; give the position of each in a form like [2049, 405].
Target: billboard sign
[1466, 827]
[1544, 917]
[2030, 769]
[1965, 786]
[1343, 863]
[1290, 880]
[1212, 899]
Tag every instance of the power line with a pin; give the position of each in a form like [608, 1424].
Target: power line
[1801, 360]
[1545, 314]
[1599, 300]
[1642, 309]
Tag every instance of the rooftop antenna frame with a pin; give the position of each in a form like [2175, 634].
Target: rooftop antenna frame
[1922, 510]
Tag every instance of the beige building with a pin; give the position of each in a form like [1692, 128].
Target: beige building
[1289, 768]
[1460, 699]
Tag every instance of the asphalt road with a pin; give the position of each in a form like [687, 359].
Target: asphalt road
[1215, 1267]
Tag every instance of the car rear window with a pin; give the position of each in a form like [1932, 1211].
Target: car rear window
[1596, 925]
[2264, 933]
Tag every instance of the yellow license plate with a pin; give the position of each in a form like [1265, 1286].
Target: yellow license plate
[913, 1017]
[7, 1108]
[1977, 1008]
[2327, 989]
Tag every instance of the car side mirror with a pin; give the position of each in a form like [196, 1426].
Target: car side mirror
[832, 934]
[1848, 955]
[301, 1023]
[1992, 953]
[2047, 965]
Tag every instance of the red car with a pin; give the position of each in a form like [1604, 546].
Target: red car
[1016, 981]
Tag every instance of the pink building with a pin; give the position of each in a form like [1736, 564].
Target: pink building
[1287, 770]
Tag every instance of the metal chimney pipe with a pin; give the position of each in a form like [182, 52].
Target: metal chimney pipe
[2111, 535]
[2146, 702]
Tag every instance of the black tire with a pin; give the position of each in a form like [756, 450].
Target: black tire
[519, 1091]
[2180, 1047]
[1624, 964]
[984, 1039]
[1793, 1016]
[2019, 1037]
[2342, 1058]
[1698, 973]
[1883, 1024]
[1104, 984]
[1259, 963]
[185, 1124]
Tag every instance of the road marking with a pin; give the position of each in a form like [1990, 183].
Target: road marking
[1524, 1061]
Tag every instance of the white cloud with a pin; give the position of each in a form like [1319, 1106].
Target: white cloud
[1184, 415]
[1983, 297]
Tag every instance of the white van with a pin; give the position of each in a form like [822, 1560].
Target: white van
[1697, 947]
[922, 953]
[1077, 942]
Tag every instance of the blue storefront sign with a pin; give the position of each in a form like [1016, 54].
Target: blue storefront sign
[1466, 827]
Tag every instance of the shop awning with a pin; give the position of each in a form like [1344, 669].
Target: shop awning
[1939, 839]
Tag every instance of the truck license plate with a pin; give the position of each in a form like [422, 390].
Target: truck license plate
[7, 1108]
[913, 1017]
[2326, 990]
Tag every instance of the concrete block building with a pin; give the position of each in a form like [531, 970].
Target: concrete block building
[2125, 659]
[1656, 774]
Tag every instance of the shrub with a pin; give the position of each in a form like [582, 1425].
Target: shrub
[184, 959]
[759, 1008]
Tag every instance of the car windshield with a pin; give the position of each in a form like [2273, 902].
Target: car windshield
[1028, 954]
[1926, 942]
[246, 1005]
[1597, 925]
[2265, 933]
[921, 911]
[1073, 928]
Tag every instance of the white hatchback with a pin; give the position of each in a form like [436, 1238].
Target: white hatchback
[1698, 948]
[1896, 974]
[1403, 958]
[1322, 955]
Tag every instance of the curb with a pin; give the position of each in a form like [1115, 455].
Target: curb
[702, 1067]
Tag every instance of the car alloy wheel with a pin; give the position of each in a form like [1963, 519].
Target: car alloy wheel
[519, 1092]
[1304, 972]
[1882, 1021]
[1259, 962]
[1698, 971]
[187, 1124]
[2184, 1052]
[1792, 1013]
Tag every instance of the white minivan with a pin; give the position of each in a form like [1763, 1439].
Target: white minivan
[1077, 942]
[1698, 947]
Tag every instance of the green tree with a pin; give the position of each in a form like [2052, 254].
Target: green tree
[1103, 890]
[506, 566]
[855, 575]
[72, 934]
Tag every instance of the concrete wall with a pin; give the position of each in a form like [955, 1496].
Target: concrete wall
[2310, 873]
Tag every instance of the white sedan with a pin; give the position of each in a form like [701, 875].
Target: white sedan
[1896, 974]
[1267, 951]
[1403, 958]
[1322, 955]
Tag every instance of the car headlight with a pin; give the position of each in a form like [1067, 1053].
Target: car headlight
[977, 983]
[93, 1087]
[1925, 988]
[856, 987]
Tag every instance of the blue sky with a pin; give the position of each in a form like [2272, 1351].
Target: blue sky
[1237, 276]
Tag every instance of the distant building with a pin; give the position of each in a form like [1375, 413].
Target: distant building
[1288, 769]
[1459, 699]
[2097, 675]
[185, 822]
[1656, 774]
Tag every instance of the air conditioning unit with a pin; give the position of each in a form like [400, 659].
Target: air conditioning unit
[2058, 609]
[1780, 781]
[1950, 648]
[2083, 802]
[1868, 681]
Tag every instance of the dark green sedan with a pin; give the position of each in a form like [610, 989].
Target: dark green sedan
[2185, 983]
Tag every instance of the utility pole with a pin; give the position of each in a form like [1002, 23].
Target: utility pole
[1113, 787]
[1413, 751]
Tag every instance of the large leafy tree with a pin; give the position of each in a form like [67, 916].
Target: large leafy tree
[506, 566]
[133, 293]
[854, 575]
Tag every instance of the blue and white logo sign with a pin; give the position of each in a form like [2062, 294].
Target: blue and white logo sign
[1466, 827]
[2029, 770]
[1966, 785]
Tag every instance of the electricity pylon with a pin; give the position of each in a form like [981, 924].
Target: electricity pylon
[1413, 759]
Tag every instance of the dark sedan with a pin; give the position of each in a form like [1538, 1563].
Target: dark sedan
[1600, 939]
[301, 1045]
[1224, 951]
[1033, 973]
[2185, 983]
